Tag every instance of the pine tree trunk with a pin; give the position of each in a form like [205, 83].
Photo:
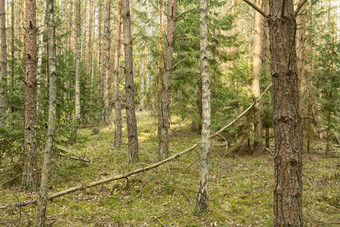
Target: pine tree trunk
[117, 98]
[83, 53]
[300, 46]
[40, 55]
[78, 56]
[70, 26]
[30, 157]
[89, 46]
[286, 119]
[3, 80]
[164, 125]
[100, 57]
[12, 47]
[160, 71]
[129, 85]
[106, 63]
[45, 172]
[202, 195]
[257, 148]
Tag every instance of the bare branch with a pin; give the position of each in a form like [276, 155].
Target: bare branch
[299, 8]
[188, 11]
[256, 8]
[133, 172]
[283, 8]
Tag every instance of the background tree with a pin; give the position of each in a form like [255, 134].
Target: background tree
[3, 78]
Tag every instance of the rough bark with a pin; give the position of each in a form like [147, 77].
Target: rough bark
[106, 63]
[287, 122]
[257, 148]
[78, 56]
[40, 55]
[3, 80]
[45, 172]
[100, 57]
[164, 113]
[117, 98]
[203, 195]
[30, 161]
[129, 85]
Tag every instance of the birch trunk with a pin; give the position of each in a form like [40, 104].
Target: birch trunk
[106, 63]
[40, 55]
[3, 80]
[129, 85]
[203, 195]
[164, 125]
[257, 148]
[45, 172]
[117, 98]
[286, 119]
[30, 157]
[78, 56]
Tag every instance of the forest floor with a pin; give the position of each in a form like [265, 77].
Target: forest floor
[241, 187]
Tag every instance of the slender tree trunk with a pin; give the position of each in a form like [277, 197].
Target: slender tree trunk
[267, 137]
[70, 26]
[160, 71]
[40, 55]
[129, 85]
[83, 57]
[45, 172]
[12, 48]
[300, 46]
[89, 53]
[202, 195]
[78, 56]
[100, 57]
[164, 125]
[30, 157]
[3, 80]
[256, 82]
[287, 122]
[117, 98]
[106, 63]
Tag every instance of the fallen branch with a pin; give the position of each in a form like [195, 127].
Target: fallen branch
[140, 170]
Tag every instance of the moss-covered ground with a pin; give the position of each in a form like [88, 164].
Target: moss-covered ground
[241, 187]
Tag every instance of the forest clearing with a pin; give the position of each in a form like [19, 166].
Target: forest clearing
[169, 113]
[240, 186]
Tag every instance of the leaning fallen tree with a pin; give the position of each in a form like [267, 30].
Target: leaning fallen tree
[136, 171]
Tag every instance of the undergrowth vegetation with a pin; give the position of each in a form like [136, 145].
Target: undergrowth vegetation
[241, 187]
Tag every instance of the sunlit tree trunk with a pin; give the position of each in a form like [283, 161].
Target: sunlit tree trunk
[117, 98]
[160, 70]
[106, 63]
[40, 54]
[100, 56]
[78, 56]
[3, 80]
[45, 172]
[203, 195]
[287, 122]
[84, 20]
[257, 148]
[89, 46]
[12, 46]
[30, 156]
[129, 85]
[164, 125]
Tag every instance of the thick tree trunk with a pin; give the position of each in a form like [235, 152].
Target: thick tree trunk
[3, 80]
[129, 85]
[30, 157]
[287, 122]
[202, 195]
[100, 57]
[164, 113]
[45, 172]
[40, 55]
[257, 148]
[78, 56]
[106, 63]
